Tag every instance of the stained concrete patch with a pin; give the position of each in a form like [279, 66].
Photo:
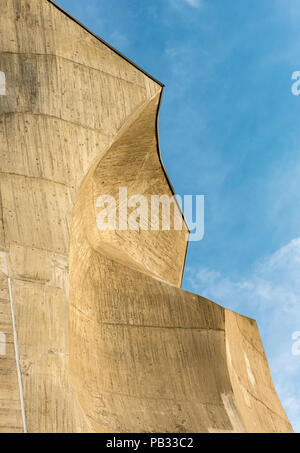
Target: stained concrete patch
[2, 84]
[249, 370]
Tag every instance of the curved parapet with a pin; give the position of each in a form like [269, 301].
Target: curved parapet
[131, 169]
[96, 332]
[146, 356]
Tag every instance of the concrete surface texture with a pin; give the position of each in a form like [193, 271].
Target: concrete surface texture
[96, 333]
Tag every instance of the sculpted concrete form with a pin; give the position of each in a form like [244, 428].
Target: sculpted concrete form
[99, 337]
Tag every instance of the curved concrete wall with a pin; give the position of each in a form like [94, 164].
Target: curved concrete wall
[146, 356]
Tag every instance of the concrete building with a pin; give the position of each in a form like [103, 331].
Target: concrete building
[96, 333]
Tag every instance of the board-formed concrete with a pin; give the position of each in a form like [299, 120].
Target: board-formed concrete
[97, 334]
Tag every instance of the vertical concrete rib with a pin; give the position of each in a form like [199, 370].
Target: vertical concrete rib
[16, 346]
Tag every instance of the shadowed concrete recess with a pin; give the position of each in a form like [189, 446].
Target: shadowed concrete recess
[96, 333]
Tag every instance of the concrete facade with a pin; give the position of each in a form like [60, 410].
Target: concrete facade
[99, 336]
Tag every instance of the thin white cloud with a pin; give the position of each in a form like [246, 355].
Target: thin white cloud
[119, 40]
[179, 3]
[194, 3]
[270, 294]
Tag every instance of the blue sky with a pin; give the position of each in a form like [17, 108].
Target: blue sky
[229, 129]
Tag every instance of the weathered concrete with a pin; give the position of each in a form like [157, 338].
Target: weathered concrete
[106, 339]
